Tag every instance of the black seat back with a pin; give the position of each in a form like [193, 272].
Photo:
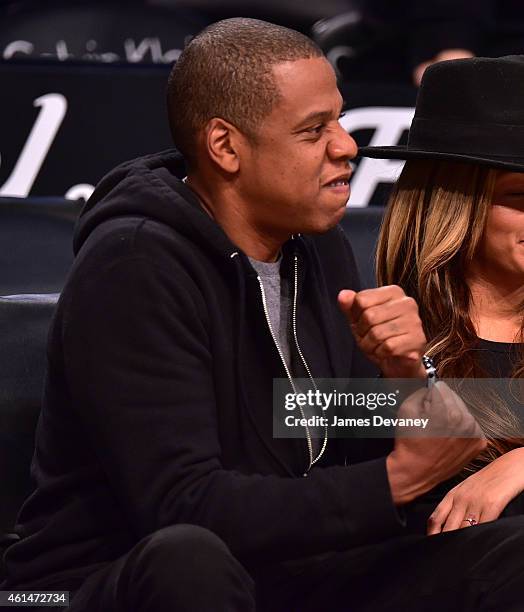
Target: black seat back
[36, 249]
[24, 324]
[362, 226]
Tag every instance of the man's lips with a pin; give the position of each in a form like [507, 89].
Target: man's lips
[342, 180]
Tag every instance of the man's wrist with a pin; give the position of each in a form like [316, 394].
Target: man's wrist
[397, 481]
[403, 484]
[423, 368]
[416, 370]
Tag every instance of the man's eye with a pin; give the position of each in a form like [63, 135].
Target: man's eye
[316, 129]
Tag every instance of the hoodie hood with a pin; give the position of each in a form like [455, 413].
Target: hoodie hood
[152, 187]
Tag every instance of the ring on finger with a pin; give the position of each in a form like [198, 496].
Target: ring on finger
[471, 520]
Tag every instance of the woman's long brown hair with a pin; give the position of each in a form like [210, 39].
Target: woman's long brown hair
[432, 228]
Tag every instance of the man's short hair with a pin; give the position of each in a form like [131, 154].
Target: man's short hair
[226, 72]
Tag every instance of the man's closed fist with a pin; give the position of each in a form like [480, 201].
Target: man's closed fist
[387, 328]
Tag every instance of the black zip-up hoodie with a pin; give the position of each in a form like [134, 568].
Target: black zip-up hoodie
[158, 400]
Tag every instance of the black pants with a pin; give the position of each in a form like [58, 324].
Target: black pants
[188, 569]
[478, 568]
[181, 568]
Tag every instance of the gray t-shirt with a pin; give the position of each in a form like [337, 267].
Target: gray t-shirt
[278, 301]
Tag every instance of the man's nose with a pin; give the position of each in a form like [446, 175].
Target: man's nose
[342, 145]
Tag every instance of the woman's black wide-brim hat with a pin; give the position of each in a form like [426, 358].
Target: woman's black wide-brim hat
[468, 110]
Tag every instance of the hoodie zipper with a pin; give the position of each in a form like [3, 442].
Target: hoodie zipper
[311, 460]
[310, 444]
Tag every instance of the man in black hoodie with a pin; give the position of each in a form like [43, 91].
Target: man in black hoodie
[159, 482]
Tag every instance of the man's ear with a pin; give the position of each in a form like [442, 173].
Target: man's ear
[222, 140]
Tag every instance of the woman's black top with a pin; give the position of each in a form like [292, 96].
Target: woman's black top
[497, 360]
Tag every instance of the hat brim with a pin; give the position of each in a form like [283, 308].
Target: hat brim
[402, 152]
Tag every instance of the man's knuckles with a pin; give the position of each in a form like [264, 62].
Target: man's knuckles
[378, 295]
[380, 329]
[387, 348]
[371, 313]
[392, 291]
[408, 304]
[379, 333]
[361, 303]
[395, 346]
[370, 317]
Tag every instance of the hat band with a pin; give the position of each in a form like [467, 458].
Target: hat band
[466, 138]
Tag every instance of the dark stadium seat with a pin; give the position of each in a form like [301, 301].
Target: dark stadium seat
[35, 244]
[362, 226]
[35, 256]
[24, 324]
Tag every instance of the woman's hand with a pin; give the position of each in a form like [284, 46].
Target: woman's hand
[482, 496]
